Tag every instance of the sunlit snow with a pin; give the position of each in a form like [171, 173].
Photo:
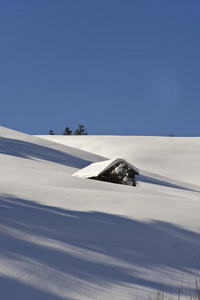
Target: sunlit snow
[63, 237]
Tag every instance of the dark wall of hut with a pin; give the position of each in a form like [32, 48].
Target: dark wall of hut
[121, 173]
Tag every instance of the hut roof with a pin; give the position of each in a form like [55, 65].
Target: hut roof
[95, 169]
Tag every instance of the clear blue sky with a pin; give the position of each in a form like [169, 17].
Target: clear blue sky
[126, 67]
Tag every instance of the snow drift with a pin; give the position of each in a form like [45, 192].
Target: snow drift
[63, 237]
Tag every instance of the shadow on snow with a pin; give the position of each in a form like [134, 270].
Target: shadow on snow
[147, 179]
[34, 151]
[123, 241]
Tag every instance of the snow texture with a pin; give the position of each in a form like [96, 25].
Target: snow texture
[63, 237]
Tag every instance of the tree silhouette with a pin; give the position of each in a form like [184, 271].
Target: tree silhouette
[67, 131]
[51, 132]
[80, 130]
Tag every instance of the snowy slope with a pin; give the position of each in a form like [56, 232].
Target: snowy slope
[177, 158]
[63, 237]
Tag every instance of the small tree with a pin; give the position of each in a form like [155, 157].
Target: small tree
[51, 132]
[80, 130]
[67, 131]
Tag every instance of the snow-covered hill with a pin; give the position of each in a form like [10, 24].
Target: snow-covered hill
[177, 158]
[63, 237]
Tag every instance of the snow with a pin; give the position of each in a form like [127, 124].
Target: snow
[174, 157]
[63, 237]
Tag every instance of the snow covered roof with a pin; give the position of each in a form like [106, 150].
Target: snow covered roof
[95, 169]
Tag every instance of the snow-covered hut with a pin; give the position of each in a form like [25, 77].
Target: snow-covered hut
[113, 170]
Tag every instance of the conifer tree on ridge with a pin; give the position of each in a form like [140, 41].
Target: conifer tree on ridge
[80, 130]
[51, 132]
[67, 131]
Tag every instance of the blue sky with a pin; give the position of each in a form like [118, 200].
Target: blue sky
[128, 67]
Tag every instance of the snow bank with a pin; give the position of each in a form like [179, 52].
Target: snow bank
[174, 157]
[64, 237]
